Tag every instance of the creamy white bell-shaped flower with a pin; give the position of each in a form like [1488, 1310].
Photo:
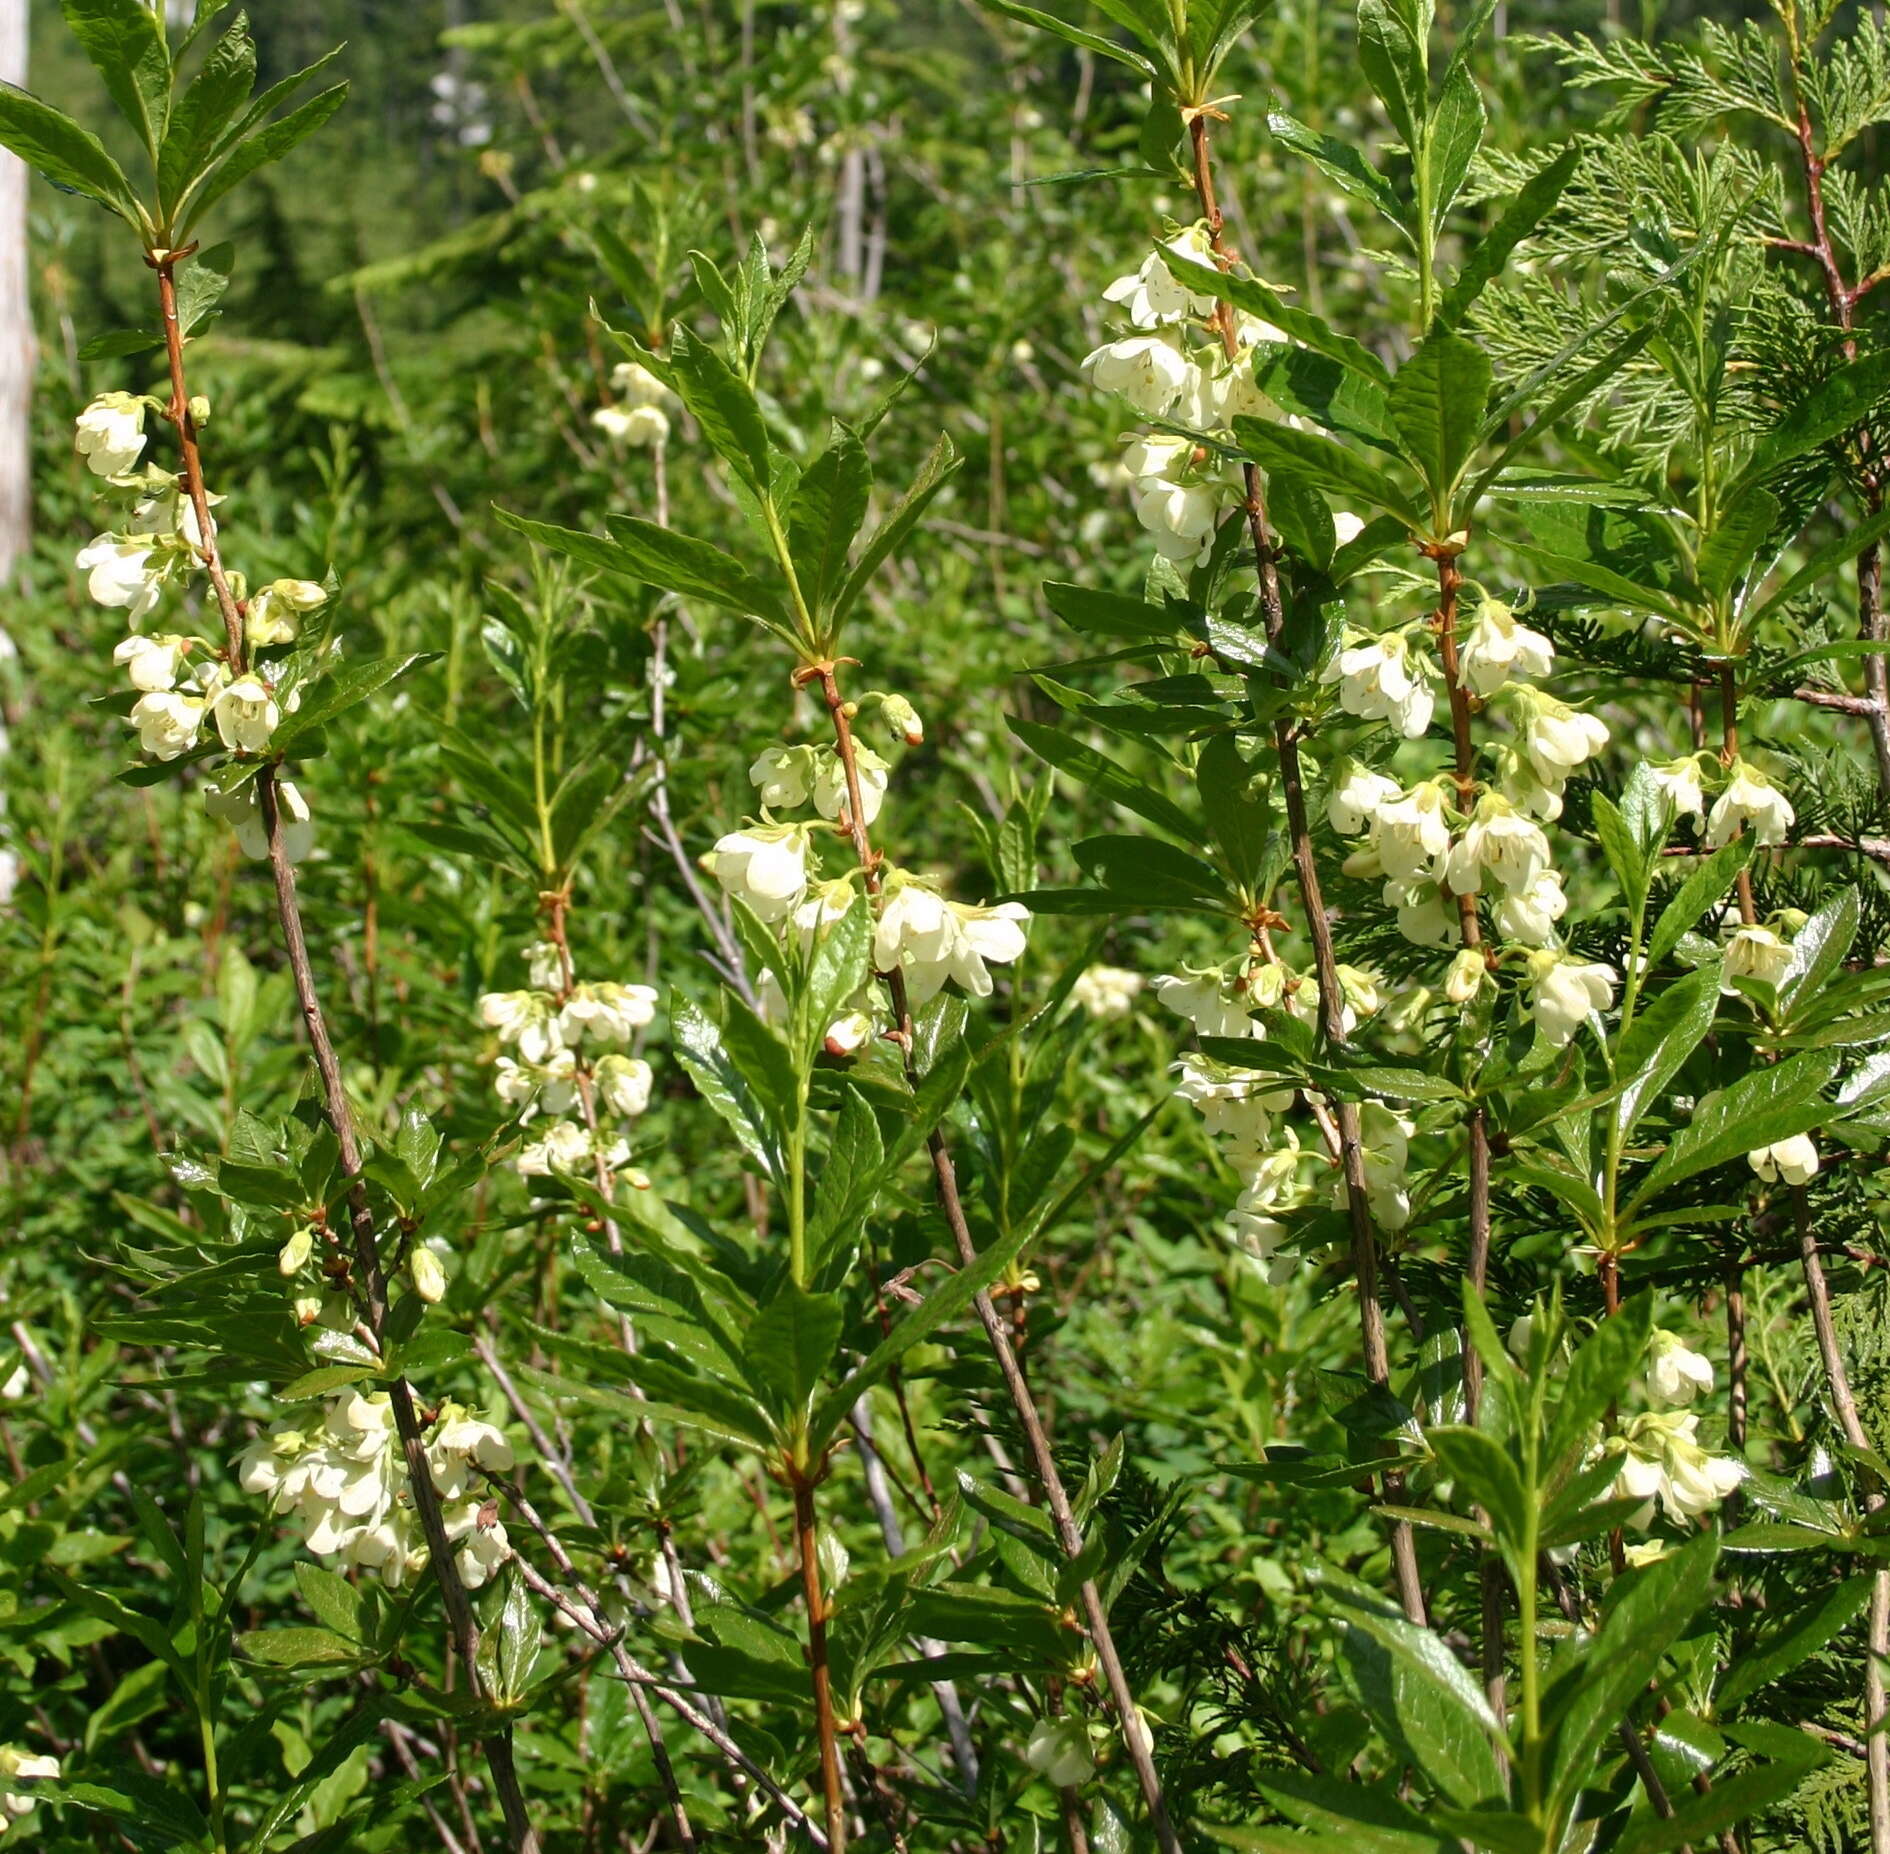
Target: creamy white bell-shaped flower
[527, 1018]
[1527, 915]
[623, 1085]
[1465, 977]
[783, 776]
[829, 788]
[246, 714]
[168, 723]
[605, 1013]
[1106, 992]
[111, 433]
[562, 1146]
[1355, 796]
[1380, 678]
[483, 1549]
[632, 425]
[1346, 527]
[1425, 917]
[1675, 1372]
[545, 965]
[987, 937]
[1204, 1000]
[1154, 296]
[1567, 992]
[151, 662]
[848, 1035]
[1149, 371]
[1180, 517]
[119, 573]
[1384, 1137]
[1157, 454]
[275, 613]
[17, 1766]
[1412, 834]
[1058, 1751]
[1792, 1161]
[1498, 647]
[636, 385]
[1558, 738]
[242, 811]
[1499, 842]
[1525, 788]
[1663, 1463]
[1754, 953]
[1749, 798]
[764, 866]
[1681, 784]
[1271, 1179]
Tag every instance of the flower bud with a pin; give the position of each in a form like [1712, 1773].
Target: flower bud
[295, 1251]
[429, 1278]
[1465, 977]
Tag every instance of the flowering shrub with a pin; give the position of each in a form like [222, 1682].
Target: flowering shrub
[607, 1251]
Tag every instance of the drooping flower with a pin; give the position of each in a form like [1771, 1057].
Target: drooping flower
[1754, 953]
[275, 612]
[1794, 1160]
[1154, 296]
[151, 662]
[605, 1013]
[242, 811]
[1180, 516]
[1105, 992]
[1662, 1463]
[635, 426]
[1149, 371]
[1675, 1372]
[1680, 783]
[168, 723]
[782, 776]
[119, 573]
[1498, 647]
[111, 433]
[624, 1084]
[1528, 914]
[1499, 841]
[527, 1018]
[1355, 797]
[246, 714]
[765, 866]
[1558, 738]
[1381, 679]
[1567, 992]
[1749, 798]
[1413, 835]
[829, 787]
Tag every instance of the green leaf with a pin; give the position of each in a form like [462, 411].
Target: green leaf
[205, 111]
[1255, 298]
[1075, 35]
[1835, 406]
[1437, 402]
[1392, 54]
[1532, 203]
[1096, 772]
[1838, 552]
[298, 1647]
[1759, 1109]
[791, 1342]
[941, 464]
[1603, 1367]
[724, 405]
[1144, 872]
[1809, 1625]
[1734, 1799]
[1326, 465]
[1728, 552]
[56, 148]
[700, 1049]
[1238, 815]
[829, 506]
[1454, 135]
[125, 43]
[1703, 889]
[336, 694]
[1484, 1472]
[1660, 1040]
[1342, 164]
[1819, 950]
[1112, 614]
[261, 149]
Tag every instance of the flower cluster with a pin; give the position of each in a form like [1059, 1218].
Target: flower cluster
[1171, 363]
[1278, 1176]
[571, 1072]
[773, 868]
[345, 1482]
[186, 690]
[637, 417]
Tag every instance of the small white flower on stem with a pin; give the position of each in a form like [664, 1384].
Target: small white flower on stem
[1794, 1160]
[1499, 841]
[1356, 795]
[151, 662]
[168, 723]
[1749, 798]
[1558, 738]
[1754, 953]
[606, 1013]
[635, 426]
[1149, 371]
[1413, 835]
[429, 1278]
[1528, 914]
[1205, 1001]
[1058, 1751]
[782, 777]
[1675, 1372]
[848, 1035]
[1567, 993]
[119, 573]
[1498, 647]
[636, 385]
[1425, 918]
[829, 788]
[1381, 678]
[1180, 516]
[1466, 975]
[1157, 455]
[1154, 296]
[527, 1018]
[274, 614]
[1680, 783]
[764, 866]
[242, 811]
[624, 1084]
[246, 714]
[111, 433]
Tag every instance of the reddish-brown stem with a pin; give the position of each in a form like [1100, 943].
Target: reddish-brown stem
[807, 1546]
[1371, 1310]
[371, 1278]
[996, 1330]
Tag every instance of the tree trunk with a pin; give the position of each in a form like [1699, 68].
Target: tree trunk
[18, 350]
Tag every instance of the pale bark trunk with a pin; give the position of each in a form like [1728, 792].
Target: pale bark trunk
[18, 350]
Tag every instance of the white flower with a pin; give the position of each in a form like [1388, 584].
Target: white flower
[1675, 1372]
[1794, 1160]
[150, 662]
[1754, 953]
[485, 1548]
[527, 1018]
[632, 425]
[1465, 977]
[1356, 795]
[1384, 1136]
[1203, 999]
[18, 1766]
[765, 865]
[1157, 454]
[274, 615]
[111, 433]
[1497, 647]
[782, 777]
[1662, 1462]
[1380, 679]
[167, 723]
[934, 941]
[636, 385]
[1154, 296]
[1425, 918]
[1147, 370]
[1181, 516]
[1559, 738]
[246, 714]
[1567, 993]
[1103, 992]
[242, 811]
[1749, 798]
[119, 573]
[1501, 841]
[848, 1035]
[624, 1084]
[1346, 527]
[1679, 783]
[605, 1013]
[1528, 914]
[1058, 1751]
[18, 1382]
[829, 789]
[562, 1146]
[1413, 835]
[544, 965]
